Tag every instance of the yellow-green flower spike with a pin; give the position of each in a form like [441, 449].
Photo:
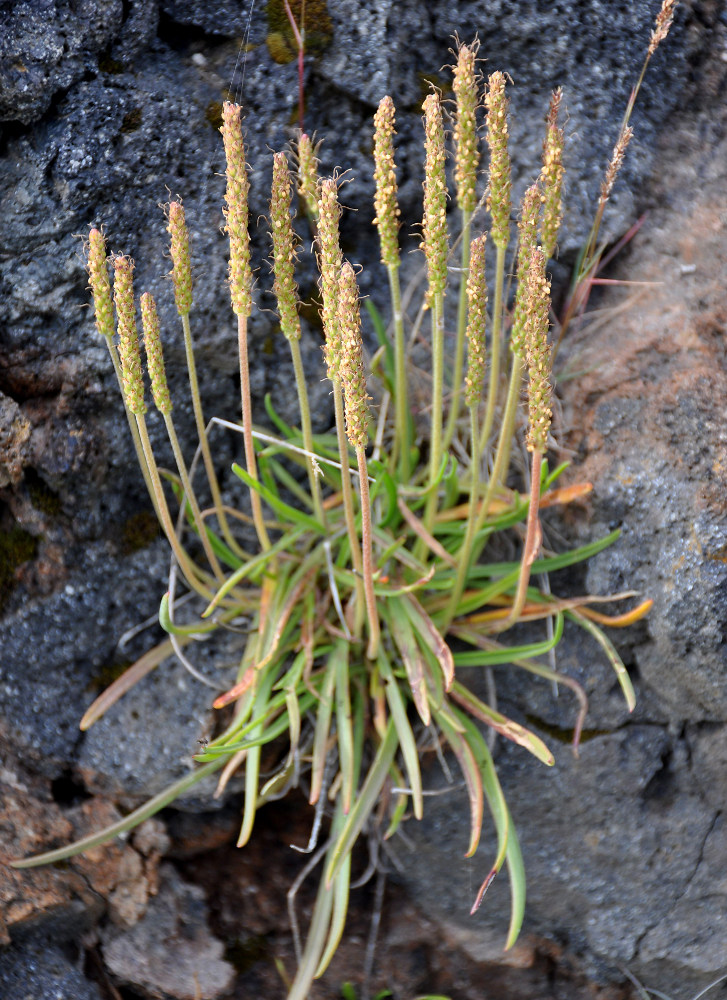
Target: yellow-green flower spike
[329, 263]
[617, 158]
[182, 267]
[498, 196]
[98, 275]
[351, 371]
[551, 178]
[308, 175]
[385, 201]
[236, 212]
[129, 356]
[538, 353]
[466, 89]
[284, 249]
[527, 235]
[663, 22]
[434, 225]
[154, 356]
[477, 323]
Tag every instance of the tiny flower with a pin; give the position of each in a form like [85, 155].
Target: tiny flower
[385, 202]
[477, 322]
[434, 224]
[466, 87]
[236, 213]
[352, 367]
[551, 178]
[498, 198]
[154, 356]
[329, 263]
[538, 353]
[100, 285]
[128, 339]
[308, 175]
[284, 249]
[663, 22]
[182, 269]
[527, 234]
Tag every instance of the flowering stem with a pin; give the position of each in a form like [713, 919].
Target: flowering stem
[250, 459]
[492, 391]
[461, 326]
[401, 401]
[202, 434]
[305, 425]
[368, 569]
[435, 439]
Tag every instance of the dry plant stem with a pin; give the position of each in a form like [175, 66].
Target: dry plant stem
[191, 573]
[305, 424]
[492, 391]
[134, 430]
[202, 435]
[250, 460]
[464, 559]
[533, 540]
[402, 437]
[192, 499]
[461, 327]
[368, 567]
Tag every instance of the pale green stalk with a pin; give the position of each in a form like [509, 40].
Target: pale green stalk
[286, 293]
[240, 279]
[458, 363]
[495, 348]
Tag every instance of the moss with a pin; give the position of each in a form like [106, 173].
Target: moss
[139, 531]
[108, 673]
[213, 114]
[17, 546]
[131, 120]
[107, 64]
[564, 735]
[280, 40]
[41, 495]
[242, 955]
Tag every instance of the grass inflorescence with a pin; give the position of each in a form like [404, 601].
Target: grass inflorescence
[368, 590]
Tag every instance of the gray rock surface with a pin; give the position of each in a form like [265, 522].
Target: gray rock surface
[41, 971]
[106, 109]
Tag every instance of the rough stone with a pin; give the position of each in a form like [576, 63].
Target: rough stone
[170, 952]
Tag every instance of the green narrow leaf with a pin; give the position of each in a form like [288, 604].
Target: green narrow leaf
[453, 730]
[411, 655]
[490, 657]
[340, 889]
[612, 654]
[501, 724]
[428, 632]
[406, 736]
[344, 724]
[129, 822]
[323, 725]
[296, 517]
[252, 761]
[165, 620]
[365, 803]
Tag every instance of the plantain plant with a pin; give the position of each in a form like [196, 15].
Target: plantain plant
[369, 590]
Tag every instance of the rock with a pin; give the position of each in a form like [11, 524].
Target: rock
[41, 970]
[170, 952]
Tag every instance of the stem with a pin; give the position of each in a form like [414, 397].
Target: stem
[492, 391]
[403, 417]
[204, 443]
[533, 539]
[133, 428]
[250, 459]
[305, 425]
[192, 499]
[435, 441]
[464, 560]
[368, 569]
[461, 328]
[190, 571]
